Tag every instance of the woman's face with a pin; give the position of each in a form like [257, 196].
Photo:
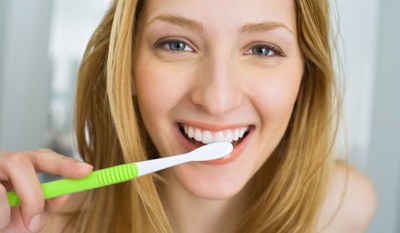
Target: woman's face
[207, 70]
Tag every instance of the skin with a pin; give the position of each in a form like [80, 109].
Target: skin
[18, 170]
[219, 81]
[215, 79]
[210, 83]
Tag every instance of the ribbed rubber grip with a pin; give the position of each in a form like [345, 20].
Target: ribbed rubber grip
[96, 179]
[117, 174]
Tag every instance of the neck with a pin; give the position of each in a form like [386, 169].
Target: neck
[191, 214]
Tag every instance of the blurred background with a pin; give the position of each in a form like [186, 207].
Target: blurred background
[42, 42]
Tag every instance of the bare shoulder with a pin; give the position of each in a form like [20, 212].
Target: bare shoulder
[60, 222]
[350, 203]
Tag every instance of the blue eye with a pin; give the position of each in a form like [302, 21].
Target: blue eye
[265, 50]
[176, 46]
[262, 51]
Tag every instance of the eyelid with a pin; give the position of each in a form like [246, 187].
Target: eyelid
[163, 41]
[273, 47]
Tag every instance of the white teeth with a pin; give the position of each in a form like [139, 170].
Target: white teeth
[236, 135]
[190, 132]
[219, 136]
[229, 137]
[206, 136]
[198, 135]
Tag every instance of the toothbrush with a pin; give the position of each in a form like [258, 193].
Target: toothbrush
[125, 172]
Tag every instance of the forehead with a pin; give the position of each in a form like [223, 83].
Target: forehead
[224, 13]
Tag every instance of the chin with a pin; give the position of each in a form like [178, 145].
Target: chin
[210, 192]
[208, 184]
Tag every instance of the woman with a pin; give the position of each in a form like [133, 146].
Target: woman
[164, 77]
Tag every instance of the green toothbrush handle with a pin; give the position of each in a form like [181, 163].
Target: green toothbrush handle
[96, 179]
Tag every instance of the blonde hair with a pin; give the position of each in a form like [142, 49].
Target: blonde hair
[109, 131]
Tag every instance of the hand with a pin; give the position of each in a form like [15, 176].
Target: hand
[18, 171]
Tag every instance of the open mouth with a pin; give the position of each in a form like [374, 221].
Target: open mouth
[200, 137]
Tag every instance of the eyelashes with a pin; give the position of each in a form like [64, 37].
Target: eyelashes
[174, 45]
[257, 49]
[264, 50]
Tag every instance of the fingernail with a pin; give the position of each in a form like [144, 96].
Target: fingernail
[34, 224]
[85, 165]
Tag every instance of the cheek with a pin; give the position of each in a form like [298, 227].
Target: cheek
[275, 99]
[276, 96]
[156, 92]
[156, 97]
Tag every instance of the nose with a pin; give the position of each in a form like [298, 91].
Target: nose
[217, 87]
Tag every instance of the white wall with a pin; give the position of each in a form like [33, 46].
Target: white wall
[73, 22]
[357, 25]
[371, 37]
[384, 149]
[25, 74]
[41, 44]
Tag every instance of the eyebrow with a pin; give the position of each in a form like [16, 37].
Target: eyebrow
[196, 26]
[266, 26]
[180, 21]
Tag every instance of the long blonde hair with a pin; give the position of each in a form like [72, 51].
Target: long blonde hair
[109, 131]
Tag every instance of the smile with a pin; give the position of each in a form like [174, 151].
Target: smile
[200, 136]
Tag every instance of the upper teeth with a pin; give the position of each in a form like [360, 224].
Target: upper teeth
[206, 136]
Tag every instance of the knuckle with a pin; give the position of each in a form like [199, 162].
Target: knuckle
[5, 210]
[16, 159]
[4, 222]
[43, 151]
[3, 191]
[3, 195]
[3, 152]
[34, 201]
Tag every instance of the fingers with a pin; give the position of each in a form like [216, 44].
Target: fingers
[5, 209]
[26, 183]
[55, 204]
[16, 223]
[20, 169]
[53, 163]
[44, 161]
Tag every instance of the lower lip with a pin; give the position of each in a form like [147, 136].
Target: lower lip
[237, 149]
